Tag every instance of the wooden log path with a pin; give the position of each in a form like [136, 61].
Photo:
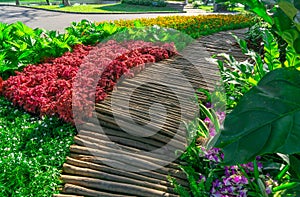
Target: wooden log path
[116, 154]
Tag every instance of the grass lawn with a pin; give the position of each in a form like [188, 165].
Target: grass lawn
[27, 1]
[210, 8]
[118, 7]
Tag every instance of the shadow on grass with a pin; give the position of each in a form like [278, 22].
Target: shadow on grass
[134, 8]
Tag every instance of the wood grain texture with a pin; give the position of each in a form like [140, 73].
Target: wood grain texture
[111, 142]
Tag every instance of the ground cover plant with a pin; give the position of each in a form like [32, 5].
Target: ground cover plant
[32, 151]
[205, 170]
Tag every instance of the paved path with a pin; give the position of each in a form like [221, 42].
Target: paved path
[58, 21]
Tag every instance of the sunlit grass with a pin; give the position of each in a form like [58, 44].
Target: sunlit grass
[210, 8]
[102, 8]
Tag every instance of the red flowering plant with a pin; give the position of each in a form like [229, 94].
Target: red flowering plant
[112, 60]
[46, 89]
[1, 84]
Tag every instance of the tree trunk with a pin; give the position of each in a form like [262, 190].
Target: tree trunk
[48, 2]
[66, 2]
[17, 2]
[205, 2]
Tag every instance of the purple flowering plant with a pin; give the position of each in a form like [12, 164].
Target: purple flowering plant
[207, 175]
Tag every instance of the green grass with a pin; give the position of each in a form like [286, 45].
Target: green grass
[102, 8]
[32, 151]
[27, 1]
[207, 8]
[210, 8]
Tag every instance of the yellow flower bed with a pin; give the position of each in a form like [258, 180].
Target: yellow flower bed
[195, 26]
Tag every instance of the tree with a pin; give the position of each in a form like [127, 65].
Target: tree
[17, 2]
[66, 2]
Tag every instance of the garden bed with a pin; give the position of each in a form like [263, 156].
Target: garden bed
[44, 90]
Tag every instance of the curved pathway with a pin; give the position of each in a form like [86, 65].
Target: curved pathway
[58, 20]
[107, 161]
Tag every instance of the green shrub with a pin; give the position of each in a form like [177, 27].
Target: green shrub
[158, 3]
[21, 45]
[196, 4]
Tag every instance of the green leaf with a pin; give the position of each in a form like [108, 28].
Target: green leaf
[289, 9]
[266, 120]
[282, 21]
[295, 165]
[283, 171]
[297, 45]
[262, 187]
[25, 54]
[271, 51]
[6, 67]
[292, 58]
[109, 28]
[261, 11]
[2, 56]
[242, 43]
[287, 186]
[290, 36]
[138, 24]
[22, 29]
[297, 4]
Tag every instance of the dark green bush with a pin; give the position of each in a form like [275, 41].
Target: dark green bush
[157, 3]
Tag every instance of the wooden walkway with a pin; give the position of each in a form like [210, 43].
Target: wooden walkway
[124, 158]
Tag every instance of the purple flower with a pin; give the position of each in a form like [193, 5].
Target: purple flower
[207, 121]
[237, 179]
[226, 181]
[216, 183]
[209, 105]
[243, 193]
[212, 131]
[240, 180]
[222, 156]
[268, 190]
[212, 155]
[244, 180]
[231, 185]
[227, 171]
[221, 116]
[202, 178]
[229, 189]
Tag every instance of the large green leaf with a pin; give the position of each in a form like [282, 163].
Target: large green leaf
[295, 165]
[266, 120]
[289, 9]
